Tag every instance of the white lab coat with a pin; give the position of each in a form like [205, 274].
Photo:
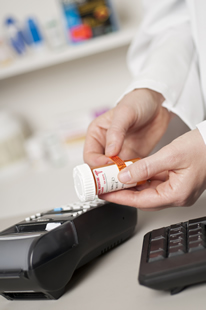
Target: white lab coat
[168, 55]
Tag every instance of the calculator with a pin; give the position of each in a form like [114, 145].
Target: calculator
[174, 257]
[40, 254]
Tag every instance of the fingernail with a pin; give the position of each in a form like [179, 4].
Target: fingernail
[124, 176]
[109, 162]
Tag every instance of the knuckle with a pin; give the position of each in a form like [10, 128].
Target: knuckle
[115, 133]
[114, 129]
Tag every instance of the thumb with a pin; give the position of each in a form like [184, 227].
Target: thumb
[123, 118]
[165, 159]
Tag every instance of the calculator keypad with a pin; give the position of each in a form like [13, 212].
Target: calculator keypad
[174, 257]
[176, 240]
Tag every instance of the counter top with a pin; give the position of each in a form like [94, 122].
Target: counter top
[110, 281]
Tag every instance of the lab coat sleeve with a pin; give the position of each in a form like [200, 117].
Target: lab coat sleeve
[162, 57]
[202, 129]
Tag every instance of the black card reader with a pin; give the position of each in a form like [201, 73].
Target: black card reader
[39, 255]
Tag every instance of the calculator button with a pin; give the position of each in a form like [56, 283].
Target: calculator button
[177, 242]
[58, 209]
[176, 250]
[194, 226]
[93, 205]
[177, 237]
[66, 208]
[155, 256]
[86, 207]
[195, 232]
[196, 246]
[157, 245]
[76, 208]
[195, 238]
[177, 230]
[158, 234]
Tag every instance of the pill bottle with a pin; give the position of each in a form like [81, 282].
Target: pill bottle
[89, 182]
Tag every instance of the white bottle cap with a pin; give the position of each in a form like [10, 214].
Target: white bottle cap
[84, 183]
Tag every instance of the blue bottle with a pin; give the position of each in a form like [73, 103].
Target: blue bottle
[15, 36]
[34, 30]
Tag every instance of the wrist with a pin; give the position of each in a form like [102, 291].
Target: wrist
[153, 95]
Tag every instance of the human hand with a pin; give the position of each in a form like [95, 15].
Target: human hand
[129, 130]
[177, 175]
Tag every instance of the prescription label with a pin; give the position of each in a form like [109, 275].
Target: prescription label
[107, 181]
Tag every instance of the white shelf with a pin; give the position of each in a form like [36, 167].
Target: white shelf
[48, 58]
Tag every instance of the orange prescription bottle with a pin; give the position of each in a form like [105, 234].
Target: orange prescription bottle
[89, 182]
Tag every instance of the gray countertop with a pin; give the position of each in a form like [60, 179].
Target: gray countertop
[110, 281]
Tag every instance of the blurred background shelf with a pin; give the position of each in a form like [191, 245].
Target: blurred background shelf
[71, 52]
[128, 14]
[49, 89]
